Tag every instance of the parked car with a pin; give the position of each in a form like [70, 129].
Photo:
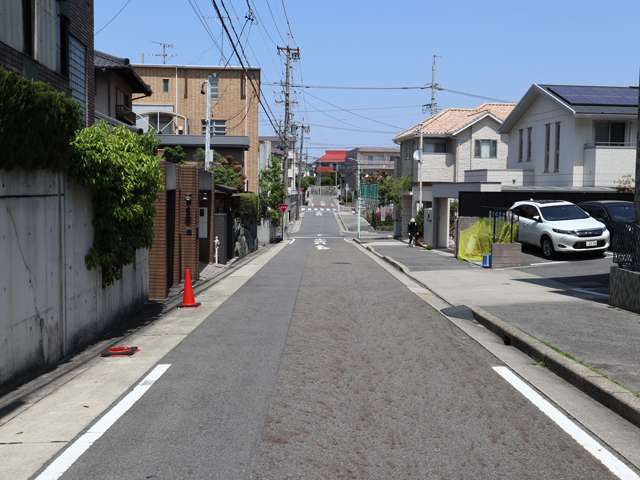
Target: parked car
[559, 226]
[611, 212]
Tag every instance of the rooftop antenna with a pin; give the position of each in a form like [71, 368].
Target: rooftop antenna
[165, 47]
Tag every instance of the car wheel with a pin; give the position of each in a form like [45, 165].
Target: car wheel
[547, 248]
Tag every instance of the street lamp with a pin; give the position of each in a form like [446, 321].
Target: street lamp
[357, 190]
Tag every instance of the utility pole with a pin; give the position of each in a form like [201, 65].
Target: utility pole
[165, 47]
[359, 199]
[433, 106]
[636, 196]
[290, 55]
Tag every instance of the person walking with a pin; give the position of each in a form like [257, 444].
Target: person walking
[413, 232]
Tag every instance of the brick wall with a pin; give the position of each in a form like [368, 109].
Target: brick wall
[187, 220]
[158, 251]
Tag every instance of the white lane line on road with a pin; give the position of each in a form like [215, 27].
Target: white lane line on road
[291, 241]
[68, 457]
[590, 444]
[590, 292]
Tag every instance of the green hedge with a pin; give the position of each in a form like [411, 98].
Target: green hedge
[122, 172]
[247, 206]
[37, 124]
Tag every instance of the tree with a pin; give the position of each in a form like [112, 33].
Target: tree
[390, 189]
[174, 154]
[224, 174]
[307, 181]
[327, 181]
[272, 192]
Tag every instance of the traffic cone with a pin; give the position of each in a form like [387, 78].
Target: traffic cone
[188, 298]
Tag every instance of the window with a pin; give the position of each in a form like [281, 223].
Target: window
[213, 85]
[557, 213]
[486, 149]
[62, 44]
[12, 20]
[243, 86]
[434, 147]
[165, 85]
[610, 133]
[77, 71]
[529, 129]
[520, 139]
[45, 33]
[547, 142]
[218, 127]
[556, 162]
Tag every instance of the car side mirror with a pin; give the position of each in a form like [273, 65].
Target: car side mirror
[537, 218]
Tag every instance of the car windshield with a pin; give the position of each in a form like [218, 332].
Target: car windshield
[622, 212]
[563, 212]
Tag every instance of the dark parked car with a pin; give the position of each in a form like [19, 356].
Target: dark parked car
[610, 212]
[617, 215]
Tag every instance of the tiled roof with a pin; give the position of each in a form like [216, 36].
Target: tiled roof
[333, 156]
[104, 61]
[452, 120]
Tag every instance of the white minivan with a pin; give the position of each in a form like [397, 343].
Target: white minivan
[557, 226]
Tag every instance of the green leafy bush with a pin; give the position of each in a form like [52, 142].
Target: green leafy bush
[272, 192]
[247, 206]
[122, 172]
[174, 154]
[224, 174]
[37, 124]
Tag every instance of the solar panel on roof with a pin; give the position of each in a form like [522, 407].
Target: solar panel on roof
[583, 95]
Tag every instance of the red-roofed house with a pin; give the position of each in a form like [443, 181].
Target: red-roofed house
[332, 163]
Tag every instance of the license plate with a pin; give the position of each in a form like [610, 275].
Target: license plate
[592, 243]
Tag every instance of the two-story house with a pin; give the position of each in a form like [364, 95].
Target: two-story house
[116, 82]
[177, 111]
[373, 161]
[573, 136]
[462, 149]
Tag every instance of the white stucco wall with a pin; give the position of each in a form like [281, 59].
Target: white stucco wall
[50, 304]
[485, 129]
[544, 110]
[502, 176]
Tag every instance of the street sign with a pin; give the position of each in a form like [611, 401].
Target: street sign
[283, 207]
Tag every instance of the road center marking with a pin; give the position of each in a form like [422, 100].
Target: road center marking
[590, 444]
[291, 241]
[68, 457]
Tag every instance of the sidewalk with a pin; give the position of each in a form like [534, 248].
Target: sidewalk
[603, 338]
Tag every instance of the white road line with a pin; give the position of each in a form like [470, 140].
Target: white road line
[590, 292]
[590, 444]
[315, 209]
[558, 262]
[291, 241]
[68, 457]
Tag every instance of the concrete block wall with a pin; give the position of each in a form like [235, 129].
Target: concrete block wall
[50, 303]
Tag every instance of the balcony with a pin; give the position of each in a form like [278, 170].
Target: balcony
[606, 163]
[125, 114]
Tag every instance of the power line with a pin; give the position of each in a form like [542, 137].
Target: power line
[255, 9]
[198, 13]
[286, 17]
[352, 87]
[113, 18]
[274, 21]
[473, 95]
[389, 107]
[356, 114]
[256, 90]
[352, 129]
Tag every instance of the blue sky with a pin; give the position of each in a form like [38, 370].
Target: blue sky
[494, 48]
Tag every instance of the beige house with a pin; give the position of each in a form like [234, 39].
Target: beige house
[462, 150]
[176, 110]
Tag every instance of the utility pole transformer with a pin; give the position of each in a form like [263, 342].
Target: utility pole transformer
[290, 54]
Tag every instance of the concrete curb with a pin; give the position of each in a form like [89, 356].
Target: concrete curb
[597, 386]
[608, 393]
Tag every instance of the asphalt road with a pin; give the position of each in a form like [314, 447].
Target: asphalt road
[324, 366]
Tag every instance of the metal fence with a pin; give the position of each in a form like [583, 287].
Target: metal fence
[625, 245]
[504, 225]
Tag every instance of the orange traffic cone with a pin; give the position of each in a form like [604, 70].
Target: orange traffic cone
[188, 298]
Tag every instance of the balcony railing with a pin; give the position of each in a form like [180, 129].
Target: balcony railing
[588, 146]
[125, 114]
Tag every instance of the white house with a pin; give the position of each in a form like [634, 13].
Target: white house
[573, 136]
[462, 150]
